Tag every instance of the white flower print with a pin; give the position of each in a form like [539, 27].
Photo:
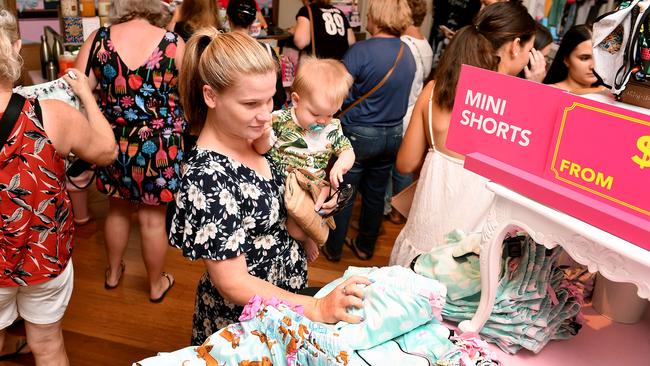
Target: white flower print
[187, 231]
[211, 230]
[248, 223]
[294, 255]
[200, 202]
[240, 236]
[192, 192]
[213, 167]
[249, 191]
[201, 236]
[273, 273]
[235, 240]
[235, 164]
[265, 242]
[208, 300]
[206, 324]
[231, 244]
[232, 207]
[228, 201]
[275, 211]
[222, 323]
[295, 282]
[180, 203]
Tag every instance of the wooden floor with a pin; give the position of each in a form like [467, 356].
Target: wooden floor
[118, 327]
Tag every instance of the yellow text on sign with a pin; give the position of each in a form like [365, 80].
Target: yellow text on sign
[587, 174]
[643, 159]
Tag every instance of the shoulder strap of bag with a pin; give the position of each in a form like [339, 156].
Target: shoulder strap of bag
[91, 54]
[311, 30]
[9, 118]
[347, 108]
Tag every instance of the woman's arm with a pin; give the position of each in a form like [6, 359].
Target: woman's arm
[351, 37]
[302, 33]
[414, 145]
[91, 139]
[231, 278]
[180, 51]
[174, 20]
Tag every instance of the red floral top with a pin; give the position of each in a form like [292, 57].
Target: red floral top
[36, 226]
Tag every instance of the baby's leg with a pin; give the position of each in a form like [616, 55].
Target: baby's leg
[296, 231]
[311, 249]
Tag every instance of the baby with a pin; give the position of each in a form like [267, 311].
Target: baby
[306, 136]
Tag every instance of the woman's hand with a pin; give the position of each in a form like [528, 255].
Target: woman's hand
[537, 70]
[79, 84]
[332, 308]
[447, 32]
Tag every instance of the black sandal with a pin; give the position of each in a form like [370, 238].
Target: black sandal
[329, 256]
[20, 346]
[352, 244]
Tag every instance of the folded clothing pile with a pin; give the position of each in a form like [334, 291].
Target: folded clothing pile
[535, 302]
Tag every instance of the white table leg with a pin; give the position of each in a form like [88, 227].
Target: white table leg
[495, 230]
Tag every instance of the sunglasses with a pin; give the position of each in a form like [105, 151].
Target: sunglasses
[343, 198]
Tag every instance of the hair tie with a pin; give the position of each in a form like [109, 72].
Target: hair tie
[477, 29]
[203, 43]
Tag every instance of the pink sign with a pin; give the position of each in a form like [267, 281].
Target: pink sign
[603, 151]
[503, 116]
[588, 159]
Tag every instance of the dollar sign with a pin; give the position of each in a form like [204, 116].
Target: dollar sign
[643, 143]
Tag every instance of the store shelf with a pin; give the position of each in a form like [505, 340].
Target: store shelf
[38, 14]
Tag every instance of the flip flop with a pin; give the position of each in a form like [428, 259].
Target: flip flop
[112, 287]
[358, 252]
[330, 257]
[19, 347]
[171, 284]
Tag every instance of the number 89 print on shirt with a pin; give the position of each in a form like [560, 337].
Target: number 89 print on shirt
[330, 30]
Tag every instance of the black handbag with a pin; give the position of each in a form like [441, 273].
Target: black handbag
[9, 118]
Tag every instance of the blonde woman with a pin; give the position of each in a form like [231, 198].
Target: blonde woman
[230, 209]
[136, 62]
[374, 126]
[36, 223]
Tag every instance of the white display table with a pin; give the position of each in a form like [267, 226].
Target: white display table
[615, 258]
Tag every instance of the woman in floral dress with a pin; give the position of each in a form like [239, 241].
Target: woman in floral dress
[230, 212]
[135, 62]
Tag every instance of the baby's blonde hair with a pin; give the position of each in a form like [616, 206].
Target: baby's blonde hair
[10, 61]
[218, 60]
[326, 77]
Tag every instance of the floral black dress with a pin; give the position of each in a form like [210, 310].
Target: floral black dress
[224, 210]
[142, 107]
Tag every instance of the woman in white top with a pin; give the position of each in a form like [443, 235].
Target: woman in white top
[449, 197]
[421, 50]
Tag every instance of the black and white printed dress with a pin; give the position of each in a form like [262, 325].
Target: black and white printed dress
[224, 210]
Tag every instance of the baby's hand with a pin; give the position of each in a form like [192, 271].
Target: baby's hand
[336, 174]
